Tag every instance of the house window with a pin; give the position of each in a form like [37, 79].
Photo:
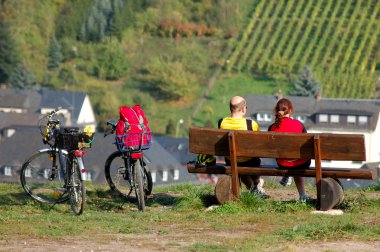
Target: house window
[260, 117]
[46, 173]
[176, 174]
[301, 118]
[165, 175]
[153, 177]
[323, 118]
[363, 120]
[357, 162]
[8, 171]
[267, 117]
[334, 118]
[28, 173]
[351, 119]
[89, 176]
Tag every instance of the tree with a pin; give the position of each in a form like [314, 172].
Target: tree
[209, 124]
[22, 78]
[170, 128]
[9, 58]
[55, 55]
[111, 61]
[169, 77]
[306, 84]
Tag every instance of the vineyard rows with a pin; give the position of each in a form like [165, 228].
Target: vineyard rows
[338, 39]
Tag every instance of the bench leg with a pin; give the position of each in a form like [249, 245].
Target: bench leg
[223, 189]
[331, 194]
[318, 166]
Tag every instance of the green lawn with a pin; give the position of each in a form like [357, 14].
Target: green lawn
[177, 217]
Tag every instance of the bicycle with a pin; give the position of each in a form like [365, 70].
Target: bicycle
[126, 169]
[56, 174]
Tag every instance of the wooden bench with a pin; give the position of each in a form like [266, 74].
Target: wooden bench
[218, 142]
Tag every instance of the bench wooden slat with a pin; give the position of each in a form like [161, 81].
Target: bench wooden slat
[209, 141]
[291, 145]
[271, 171]
[277, 145]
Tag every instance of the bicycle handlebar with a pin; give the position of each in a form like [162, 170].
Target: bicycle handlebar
[53, 112]
[113, 123]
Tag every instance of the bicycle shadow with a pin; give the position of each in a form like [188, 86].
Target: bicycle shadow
[14, 199]
[111, 201]
[21, 199]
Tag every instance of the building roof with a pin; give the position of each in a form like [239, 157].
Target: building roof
[66, 99]
[20, 98]
[177, 147]
[15, 149]
[31, 101]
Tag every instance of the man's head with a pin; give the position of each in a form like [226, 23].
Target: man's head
[238, 106]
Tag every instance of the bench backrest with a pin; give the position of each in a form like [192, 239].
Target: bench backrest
[277, 145]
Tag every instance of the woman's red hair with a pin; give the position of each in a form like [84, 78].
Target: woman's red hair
[283, 107]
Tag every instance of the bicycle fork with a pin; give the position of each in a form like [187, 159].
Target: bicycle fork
[79, 155]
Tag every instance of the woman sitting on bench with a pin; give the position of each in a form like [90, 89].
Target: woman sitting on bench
[284, 123]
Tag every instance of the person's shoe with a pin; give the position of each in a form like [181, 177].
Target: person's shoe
[305, 198]
[261, 193]
[286, 181]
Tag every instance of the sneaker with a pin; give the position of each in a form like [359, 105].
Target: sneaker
[259, 190]
[261, 193]
[286, 181]
[259, 185]
[305, 198]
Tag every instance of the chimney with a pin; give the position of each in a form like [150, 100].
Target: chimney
[317, 97]
[3, 86]
[279, 95]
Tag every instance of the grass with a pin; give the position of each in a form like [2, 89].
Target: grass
[178, 212]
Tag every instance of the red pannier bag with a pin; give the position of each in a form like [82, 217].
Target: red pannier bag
[132, 130]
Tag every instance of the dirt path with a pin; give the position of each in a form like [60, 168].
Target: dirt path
[157, 242]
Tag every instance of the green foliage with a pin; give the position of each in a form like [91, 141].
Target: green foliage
[9, 58]
[169, 77]
[111, 61]
[55, 55]
[22, 78]
[306, 84]
[170, 128]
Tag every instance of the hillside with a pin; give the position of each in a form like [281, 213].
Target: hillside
[183, 59]
[338, 39]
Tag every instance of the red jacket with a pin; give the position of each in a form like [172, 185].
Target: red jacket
[292, 126]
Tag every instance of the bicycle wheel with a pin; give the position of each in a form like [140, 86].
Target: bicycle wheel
[148, 183]
[117, 174]
[41, 180]
[77, 189]
[139, 184]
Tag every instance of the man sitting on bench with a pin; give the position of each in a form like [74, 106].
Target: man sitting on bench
[237, 121]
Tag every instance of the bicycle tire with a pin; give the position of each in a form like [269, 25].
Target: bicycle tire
[116, 173]
[77, 188]
[139, 184]
[38, 181]
[148, 182]
[115, 169]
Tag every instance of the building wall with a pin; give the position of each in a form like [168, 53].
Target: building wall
[87, 116]
[369, 138]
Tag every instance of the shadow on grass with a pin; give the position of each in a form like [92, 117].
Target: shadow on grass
[14, 199]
